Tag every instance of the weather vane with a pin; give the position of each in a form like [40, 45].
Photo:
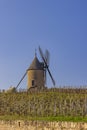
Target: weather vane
[35, 52]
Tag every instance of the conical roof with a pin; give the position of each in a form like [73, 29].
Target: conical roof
[36, 65]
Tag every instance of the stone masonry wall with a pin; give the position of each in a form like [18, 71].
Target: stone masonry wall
[41, 125]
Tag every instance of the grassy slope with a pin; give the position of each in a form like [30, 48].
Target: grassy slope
[59, 118]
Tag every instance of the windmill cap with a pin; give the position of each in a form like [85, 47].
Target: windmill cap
[36, 65]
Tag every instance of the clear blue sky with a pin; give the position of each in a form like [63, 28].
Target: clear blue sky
[57, 25]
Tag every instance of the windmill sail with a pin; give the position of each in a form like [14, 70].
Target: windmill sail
[46, 66]
[47, 56]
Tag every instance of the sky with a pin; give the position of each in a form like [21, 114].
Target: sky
[57, 25]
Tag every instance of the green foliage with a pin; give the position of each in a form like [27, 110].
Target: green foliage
[49, 118]
[51, 104]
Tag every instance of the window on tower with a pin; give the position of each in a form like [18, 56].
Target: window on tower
[33, 82]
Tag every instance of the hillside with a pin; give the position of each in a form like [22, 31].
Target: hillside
[50, 104]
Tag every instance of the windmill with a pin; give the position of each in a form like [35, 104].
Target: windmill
[37, 72]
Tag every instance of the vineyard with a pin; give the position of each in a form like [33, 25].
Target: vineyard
[48, 103]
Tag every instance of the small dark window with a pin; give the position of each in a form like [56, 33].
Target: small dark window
[32, 82]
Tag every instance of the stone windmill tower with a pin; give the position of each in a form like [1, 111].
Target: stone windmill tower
[35, 74]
